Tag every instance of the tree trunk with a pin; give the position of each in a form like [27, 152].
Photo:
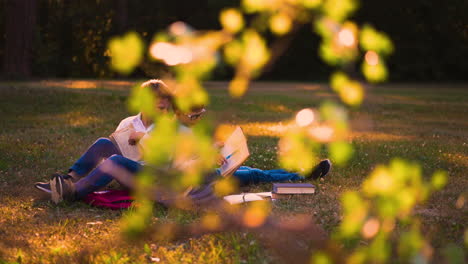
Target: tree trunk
[121, 16]
[20, 21]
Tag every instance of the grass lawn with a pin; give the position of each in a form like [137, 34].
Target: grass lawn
[45, 126]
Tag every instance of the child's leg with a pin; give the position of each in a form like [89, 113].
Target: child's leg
[278, 171]
[116, 167]
[99, 150]
[247, 175]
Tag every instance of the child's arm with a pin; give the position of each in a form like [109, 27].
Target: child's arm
[220, 160]
[134, 137]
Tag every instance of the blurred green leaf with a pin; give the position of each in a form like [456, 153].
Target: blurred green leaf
[374, 40]
[339, 10]
[340, 152]
[142, 99]
[439, 179]
[126, 52]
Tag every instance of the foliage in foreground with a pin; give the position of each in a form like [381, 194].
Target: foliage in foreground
[388, 195]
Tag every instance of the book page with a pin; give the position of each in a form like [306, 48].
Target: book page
[235, 151]
[121, 137]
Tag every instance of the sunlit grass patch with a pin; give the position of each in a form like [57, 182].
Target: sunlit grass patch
[45, 126]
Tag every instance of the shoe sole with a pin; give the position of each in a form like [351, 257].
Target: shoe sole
[56, 190]
[42, 189]
[329, 168]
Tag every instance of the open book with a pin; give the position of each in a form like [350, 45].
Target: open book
[235, 151]
[120, 139]
[246, 197]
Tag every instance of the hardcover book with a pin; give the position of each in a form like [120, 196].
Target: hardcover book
[120, 139]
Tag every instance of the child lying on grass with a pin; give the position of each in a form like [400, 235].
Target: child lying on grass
[246, 175]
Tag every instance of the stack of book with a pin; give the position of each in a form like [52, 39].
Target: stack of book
[283, 190]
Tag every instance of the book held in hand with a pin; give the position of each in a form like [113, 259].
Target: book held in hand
[235, 151]
[293, 188]
[120, 139]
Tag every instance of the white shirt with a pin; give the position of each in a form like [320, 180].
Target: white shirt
[137, 124]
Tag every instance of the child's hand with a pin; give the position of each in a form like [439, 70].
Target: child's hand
[221, 160]
[135, 137]
[219, 144]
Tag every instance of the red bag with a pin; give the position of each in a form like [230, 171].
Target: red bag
[111, 199]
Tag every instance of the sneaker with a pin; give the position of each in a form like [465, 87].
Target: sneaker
[62, 188]
[43, 186]
[321, 170]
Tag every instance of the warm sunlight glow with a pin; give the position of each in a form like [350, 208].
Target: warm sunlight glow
[256, 52]
[271, 129]
[232, 20]
[322, 133]
[238, 86]
[223, 131]
[380, 181]
[312, 3]
[224, 187]
[256, 214]
[179, 28]
[372, 58]
[171, 54]
[370, 228]
[78, 119]
[211, 221]
[346, 37]
[305, 117]
[280, 24]
[352, 93]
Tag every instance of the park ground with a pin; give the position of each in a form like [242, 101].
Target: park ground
[46, 125]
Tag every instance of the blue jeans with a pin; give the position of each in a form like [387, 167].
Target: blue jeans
[247, 175]
[116, 167]
[95, 173]
[101, 149]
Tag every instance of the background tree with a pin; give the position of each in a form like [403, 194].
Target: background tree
[431, 37]
[20, 25]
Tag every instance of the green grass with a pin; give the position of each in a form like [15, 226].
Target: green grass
[45, 126]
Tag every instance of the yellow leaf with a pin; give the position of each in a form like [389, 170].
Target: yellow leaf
[340, 152]
[232, 20]
[280, 24]
[311, 3]
[374, 73]
[374, 40]
[238, 86]
[339, 10]
[439, 179]
[352, 93]
[256, 51]
[126, 52]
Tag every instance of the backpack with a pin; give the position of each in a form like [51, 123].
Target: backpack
[121, 199]
[111, 199]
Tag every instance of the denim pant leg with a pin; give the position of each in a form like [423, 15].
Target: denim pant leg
[247, 175]
[116, 167]
[99, 150]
